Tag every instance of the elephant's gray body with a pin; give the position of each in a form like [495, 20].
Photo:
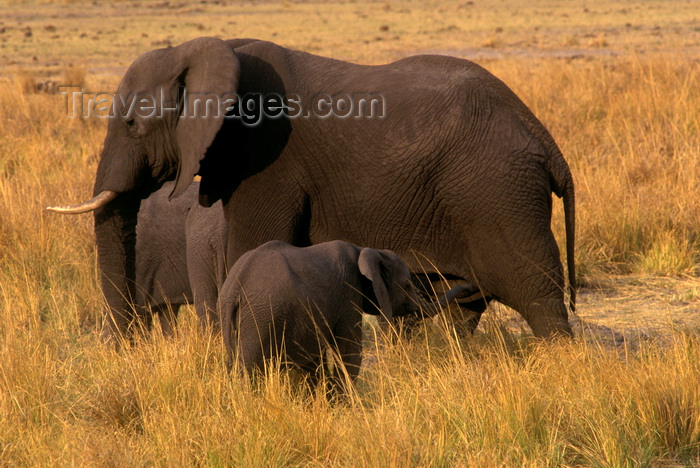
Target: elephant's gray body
[294, 303]
[458, 170]
[179, 257]
[162, 282]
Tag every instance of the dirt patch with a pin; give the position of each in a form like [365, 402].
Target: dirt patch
[622, 310]
[648, 305]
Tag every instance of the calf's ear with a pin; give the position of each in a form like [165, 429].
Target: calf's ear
[372, 266]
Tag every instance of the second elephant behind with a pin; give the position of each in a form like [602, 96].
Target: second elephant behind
[179, 259]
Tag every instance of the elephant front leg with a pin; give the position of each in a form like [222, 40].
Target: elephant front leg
[346, 353]
[205, 305]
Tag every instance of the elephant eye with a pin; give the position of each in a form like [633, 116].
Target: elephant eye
[130, 122]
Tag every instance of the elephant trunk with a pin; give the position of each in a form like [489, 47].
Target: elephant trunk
[431, 309]
[115, 233]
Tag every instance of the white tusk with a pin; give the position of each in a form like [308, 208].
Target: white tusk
[94, 203]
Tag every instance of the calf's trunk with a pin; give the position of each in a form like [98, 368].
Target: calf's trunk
[431, 309]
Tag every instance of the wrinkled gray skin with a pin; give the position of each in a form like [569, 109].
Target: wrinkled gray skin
[457, 170]
[179, 259]
[206, 230]
[296, 302]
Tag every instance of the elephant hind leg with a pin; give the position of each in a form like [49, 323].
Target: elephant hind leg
[142, 321]
[250, 356]
[344, 368]
[526, 274]
[548, 318]
[540, 301]
[257, 345]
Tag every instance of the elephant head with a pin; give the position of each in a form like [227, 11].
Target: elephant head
[395, 293]
[391, 282]
[154, 134]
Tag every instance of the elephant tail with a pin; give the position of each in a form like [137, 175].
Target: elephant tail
[563, 187]
[569, 222]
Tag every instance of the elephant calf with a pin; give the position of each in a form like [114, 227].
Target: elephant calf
[296, 302]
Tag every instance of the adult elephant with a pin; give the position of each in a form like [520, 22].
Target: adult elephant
[450, 165]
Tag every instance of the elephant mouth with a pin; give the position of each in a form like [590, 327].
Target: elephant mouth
[98, 201]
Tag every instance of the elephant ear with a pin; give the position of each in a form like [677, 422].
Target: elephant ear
[371, 264]
[209, 69]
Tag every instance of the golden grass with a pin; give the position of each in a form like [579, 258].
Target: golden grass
[628, 124]
[434, 400]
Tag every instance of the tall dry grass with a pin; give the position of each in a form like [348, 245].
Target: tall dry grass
[629, 129]
[431, 401]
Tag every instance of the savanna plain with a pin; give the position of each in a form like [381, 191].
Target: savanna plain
[618, 86]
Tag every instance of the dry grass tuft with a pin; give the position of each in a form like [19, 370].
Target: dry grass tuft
[25, 81]
[74, 75]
